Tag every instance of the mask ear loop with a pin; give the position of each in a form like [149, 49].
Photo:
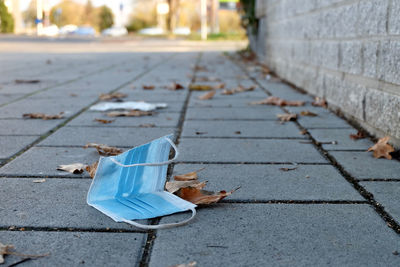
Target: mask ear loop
[159, 226]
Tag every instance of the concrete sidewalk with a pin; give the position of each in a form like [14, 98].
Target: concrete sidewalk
[339, 207]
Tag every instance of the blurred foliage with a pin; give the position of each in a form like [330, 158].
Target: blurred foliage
[249, 19]
[29, 15]
[6, 19]
[143, 16]
[106, 18]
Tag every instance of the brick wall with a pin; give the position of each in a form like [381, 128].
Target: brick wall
[347, 51]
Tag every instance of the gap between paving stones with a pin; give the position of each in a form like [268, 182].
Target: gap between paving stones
[390, 222]
[42, 137]
[152, 234]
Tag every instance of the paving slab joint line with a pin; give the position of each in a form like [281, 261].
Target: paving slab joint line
[242, 137]
[379, 180]
[152, 235]
[301, 202]
[14, 176]
[252, 163]
[44, 136]
[390, 221]
[18, 228]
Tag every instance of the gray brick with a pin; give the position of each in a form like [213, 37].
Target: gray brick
[362, 165]
[370, 58]
[386, 193]
[351, 58]
[394, 18]
[247, 150]
[342, 139]
[112, 136]
[372, 17]
[347, 20]
[75, 248]
[56, 203]
[268, 182]
[240, 129]
[348, 235]
[10, 145]
[389, 61]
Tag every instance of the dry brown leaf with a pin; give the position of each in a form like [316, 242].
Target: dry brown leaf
[358, 135]
[174, 186]
[200, 68]
[382, 149]
[104, 150]
[190, 264]
[39, 181]
[130, 113]
[319, 102]
[207, 79]
[148, 87]
[227, 92]
[273, 100]
[147, 125]
[308, 113]
[219, 86]
[91, 169]
[75, 168]
[303, 132]
[207, 96]
[19, 81]
[288, 169]
[43, 116]
[112, 96]
[4, 250]
[103, 121]
[239, 89]
[287, 117]
[199, 197]
[188, 176]
[175, 86]
[201, 87]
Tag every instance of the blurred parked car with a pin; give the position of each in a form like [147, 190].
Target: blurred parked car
[152, 31]
[85, 31]
[182, 31]
[115, 31]
[68, 29]
[51, 30]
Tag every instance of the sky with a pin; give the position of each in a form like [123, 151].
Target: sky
[113, 4]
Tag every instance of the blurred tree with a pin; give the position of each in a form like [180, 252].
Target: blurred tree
[67, 12]
[6, 19]
[88, 15]
[106, 18]
[144, 15]
[29, 15]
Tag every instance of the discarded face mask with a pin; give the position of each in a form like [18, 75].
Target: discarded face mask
[130, 186]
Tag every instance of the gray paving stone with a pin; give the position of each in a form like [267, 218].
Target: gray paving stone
[279, 235]
[362, 165]
[160, 119]
[7, 98]
[157, 94]
[386, 193]
[341, 136]
[43, 162]
[27, 126]
[223, 102]
[268, 182]
[240, 129]
[76, 248]
[325, 118]
[56, 203]
[284, 91]
[248, 113]
[247, 150]
[10, 145]
[112, 136]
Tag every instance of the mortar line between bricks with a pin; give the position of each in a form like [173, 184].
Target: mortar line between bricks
[44, 136]
[380, 210]
[152, 235]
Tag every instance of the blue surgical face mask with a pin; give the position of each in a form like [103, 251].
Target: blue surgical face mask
[130, 186]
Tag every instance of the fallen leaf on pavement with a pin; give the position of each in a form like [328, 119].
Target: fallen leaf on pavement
[239, 89]
[207, 96]
[39, 181]
[4, 250]
[148, 87]
[175, 86]
[219, 86]
[358, 135]
[382, 148]
[130, 113]
[43, 116]
[288, 169]
[112, 96]
[200, 68]
[287, 117]
[201, 87]
[26, 81]
[303, 132]
[174, 186]
[207, 79]
[273, 100]
[147, 125]
[75, 168]
[227, 92]
[199, 196]
[91, 169]
[187, 176]
[308, 113]
[104, 121]
[104, 150]
[319, 102]
[190, 264]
